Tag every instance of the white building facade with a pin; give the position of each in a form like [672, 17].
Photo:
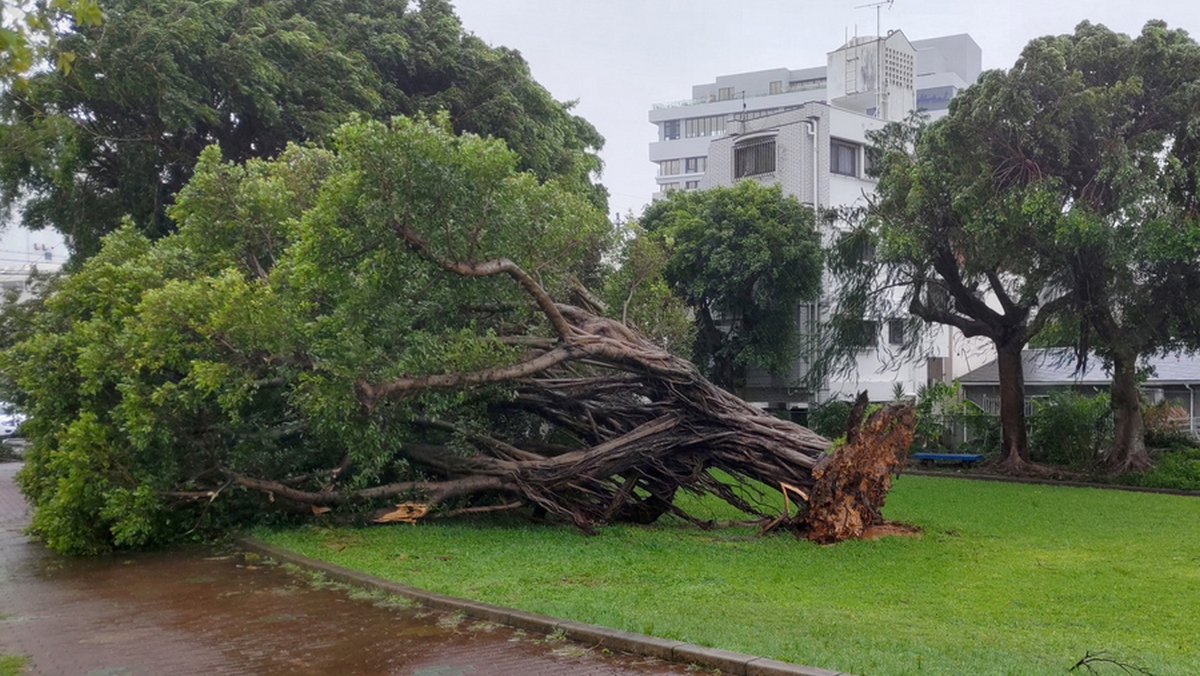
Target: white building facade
[24, 252]
[807, 132]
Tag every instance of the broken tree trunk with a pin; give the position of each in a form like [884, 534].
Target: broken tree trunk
[851, 484]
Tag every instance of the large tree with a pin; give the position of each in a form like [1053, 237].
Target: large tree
[380, 322]
[942, 242]
[1099, 130]
[119, 131]
[1066, 184]
[743, 258]
[1107, 129]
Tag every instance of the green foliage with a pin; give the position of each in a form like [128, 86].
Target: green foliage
[1177, 467]
[118, 133]
[1006, 580]
[27, 35]
[637, 293]
[935, 403]
[161, 369]
[743, 258]
[1069, 428]
[830, 419]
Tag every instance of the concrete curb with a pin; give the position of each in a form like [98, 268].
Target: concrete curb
[738, 664]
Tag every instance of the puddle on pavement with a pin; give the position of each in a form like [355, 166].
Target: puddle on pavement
[204, 610]
[271, 620]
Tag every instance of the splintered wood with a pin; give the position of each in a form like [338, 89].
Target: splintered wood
[852, 483]
[405, 512]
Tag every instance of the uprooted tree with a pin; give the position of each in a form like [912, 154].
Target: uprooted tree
[380, 323]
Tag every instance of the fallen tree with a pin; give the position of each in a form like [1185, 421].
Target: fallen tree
[340, 330]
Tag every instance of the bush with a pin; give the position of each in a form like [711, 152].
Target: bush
[830, 419]
[1166, 424]
[1069, 428]
[1178, 468]
[935, 405]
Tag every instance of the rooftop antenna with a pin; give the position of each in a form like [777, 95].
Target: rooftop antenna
[879, 80]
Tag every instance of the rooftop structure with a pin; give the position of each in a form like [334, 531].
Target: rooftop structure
[919, 74]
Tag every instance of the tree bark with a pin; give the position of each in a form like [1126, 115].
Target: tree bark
[1014, 443]
[1128, 452]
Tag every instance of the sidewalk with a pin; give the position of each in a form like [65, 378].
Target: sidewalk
[197, 611]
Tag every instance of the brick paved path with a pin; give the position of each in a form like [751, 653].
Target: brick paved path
[201, 612]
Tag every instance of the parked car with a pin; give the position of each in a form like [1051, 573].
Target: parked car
[10, 420]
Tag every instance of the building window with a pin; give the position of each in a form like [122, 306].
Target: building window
[691, 185]
[865, 335]
[725, 93]
[843, 158]
[668, 167]
[670, 130]
[895, 331]
[698, 127]
[695, 165]
[870, 160]
[776, 87]
[669, 187]
[754, 158]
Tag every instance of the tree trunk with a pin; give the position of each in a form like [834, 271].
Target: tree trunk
[1014, 449]
[1128, 452]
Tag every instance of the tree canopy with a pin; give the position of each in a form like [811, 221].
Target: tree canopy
[743, 258]
[119, 132]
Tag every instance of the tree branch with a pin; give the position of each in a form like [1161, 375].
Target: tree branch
[499, 266]
[369, 394]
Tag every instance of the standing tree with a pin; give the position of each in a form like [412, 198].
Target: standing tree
[1067, 183]
[941, 241]
[743, 258]
[118, 133]
[1108, 129]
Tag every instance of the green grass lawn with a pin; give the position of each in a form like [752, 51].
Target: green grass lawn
[1007, 579]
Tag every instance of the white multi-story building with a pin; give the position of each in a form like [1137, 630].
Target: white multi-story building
[23, 252]
[806, 130]
[922, 73]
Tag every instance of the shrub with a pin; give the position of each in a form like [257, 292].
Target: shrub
[1177, 468]
[936, 403]
[830, 419]
[1166, 424]
[1069, 428]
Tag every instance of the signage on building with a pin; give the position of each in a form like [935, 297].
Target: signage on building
[935, 98]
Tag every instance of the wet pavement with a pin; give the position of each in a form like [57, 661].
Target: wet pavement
[201, 611]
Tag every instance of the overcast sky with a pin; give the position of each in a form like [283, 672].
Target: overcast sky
[619, 57]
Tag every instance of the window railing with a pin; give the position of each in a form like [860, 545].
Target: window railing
[791, 88]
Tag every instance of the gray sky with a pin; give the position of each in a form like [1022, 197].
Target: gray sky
[618, 57]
